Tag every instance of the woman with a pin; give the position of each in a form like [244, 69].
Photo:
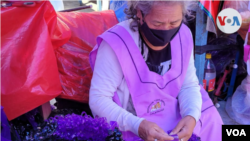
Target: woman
[144, 76]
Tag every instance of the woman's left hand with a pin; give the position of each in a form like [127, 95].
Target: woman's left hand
[184, 128]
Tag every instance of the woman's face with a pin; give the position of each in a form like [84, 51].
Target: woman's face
[163, 17]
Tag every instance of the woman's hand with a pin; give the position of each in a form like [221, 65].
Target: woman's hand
[150, 131]
[184, 128]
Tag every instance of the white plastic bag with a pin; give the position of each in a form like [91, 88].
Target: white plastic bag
[248, 61]
[238, 106]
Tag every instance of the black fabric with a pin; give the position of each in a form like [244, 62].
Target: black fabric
[69, 104]
[156, 57]
[158, 37]
[225, 42]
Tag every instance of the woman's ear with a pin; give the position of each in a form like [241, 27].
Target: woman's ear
[139, 15]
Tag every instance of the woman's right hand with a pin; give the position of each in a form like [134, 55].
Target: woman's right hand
[150, 131]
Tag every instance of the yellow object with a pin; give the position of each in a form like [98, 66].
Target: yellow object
[208, 56]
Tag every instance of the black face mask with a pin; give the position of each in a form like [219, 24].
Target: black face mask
[158, 37]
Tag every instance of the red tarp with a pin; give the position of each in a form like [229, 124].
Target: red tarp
[30, 38]
[211, 8]
[73, 57]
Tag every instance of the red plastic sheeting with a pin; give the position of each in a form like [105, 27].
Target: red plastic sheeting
[28, 65]
[73, 57]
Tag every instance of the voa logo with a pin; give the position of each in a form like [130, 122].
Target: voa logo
[236, 132]
[229, 20]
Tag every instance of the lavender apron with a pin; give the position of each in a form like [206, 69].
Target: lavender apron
[155, 96]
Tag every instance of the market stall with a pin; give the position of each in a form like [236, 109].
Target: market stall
[45, 55]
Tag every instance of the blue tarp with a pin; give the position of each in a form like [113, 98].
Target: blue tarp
[118, 7]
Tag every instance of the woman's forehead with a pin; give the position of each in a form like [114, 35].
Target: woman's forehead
[165, 13]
